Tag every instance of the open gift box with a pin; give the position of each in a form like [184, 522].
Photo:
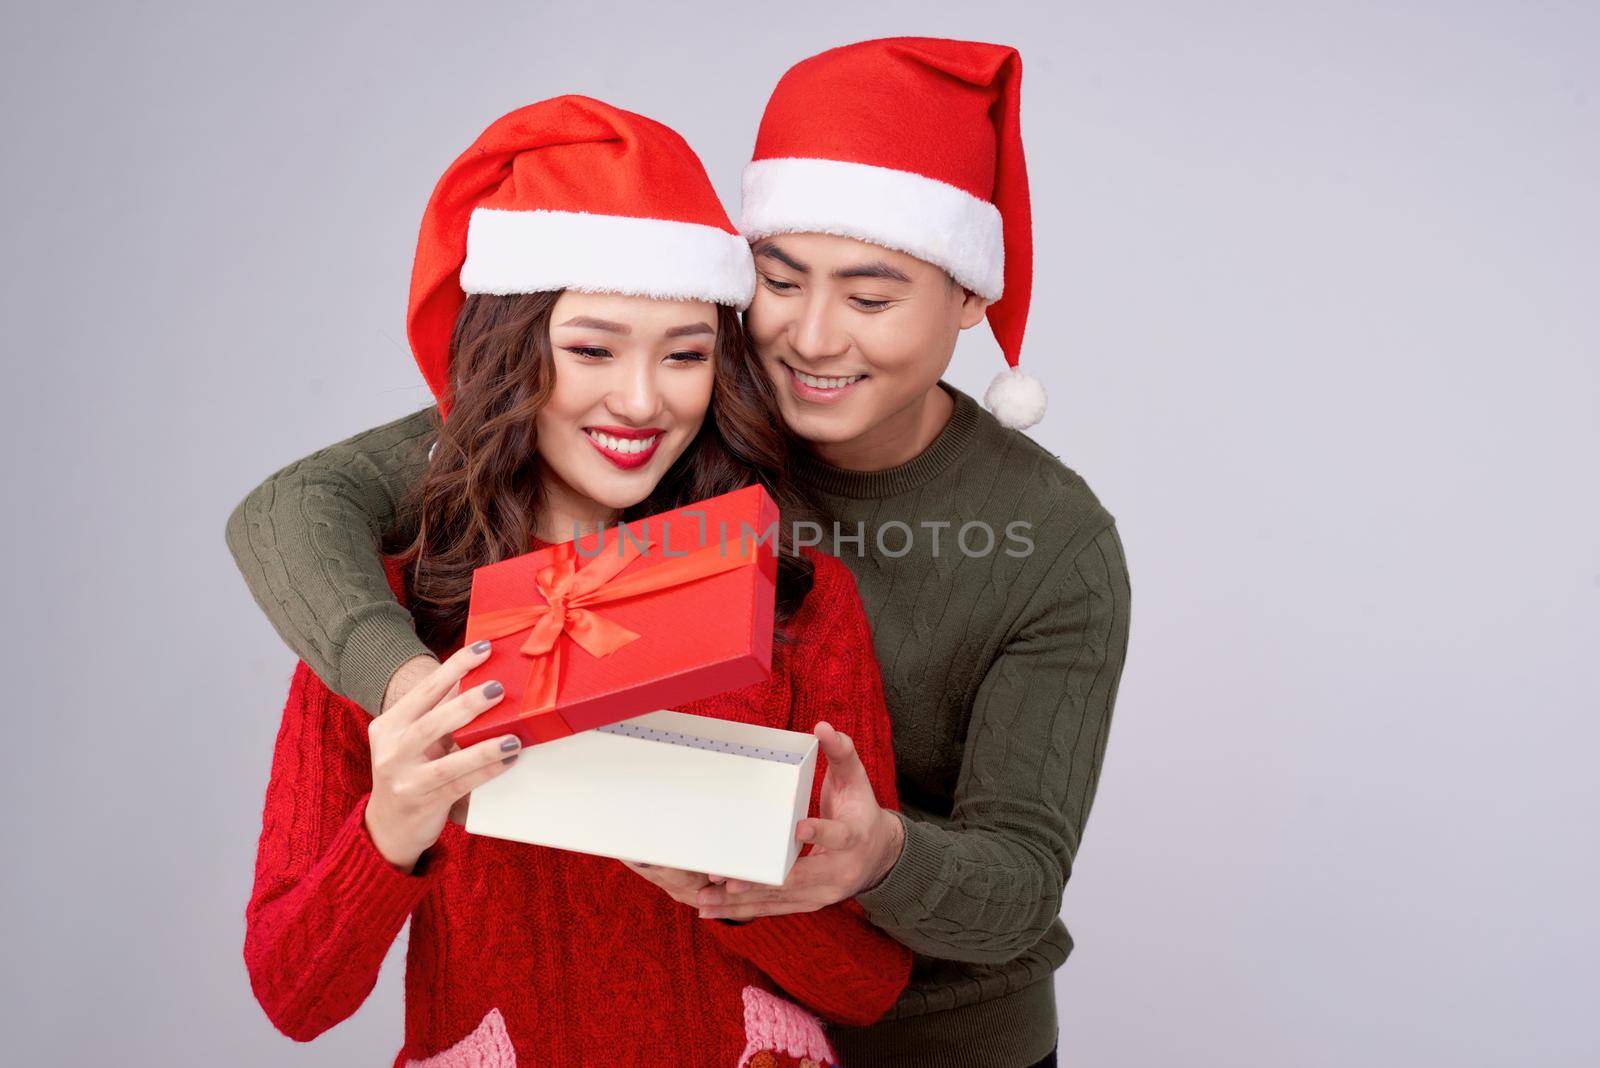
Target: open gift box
[589, 638]
[665, 788]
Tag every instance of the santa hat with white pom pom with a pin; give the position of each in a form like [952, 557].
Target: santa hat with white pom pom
[915, 144]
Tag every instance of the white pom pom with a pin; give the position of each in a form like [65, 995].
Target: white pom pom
[1016, 399]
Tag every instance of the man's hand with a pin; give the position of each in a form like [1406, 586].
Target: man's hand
[680, 885]
[854, 843]
[405, 677]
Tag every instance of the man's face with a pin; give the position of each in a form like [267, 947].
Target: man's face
[853, 335]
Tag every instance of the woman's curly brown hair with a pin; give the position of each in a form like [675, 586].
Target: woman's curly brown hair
[479, 500]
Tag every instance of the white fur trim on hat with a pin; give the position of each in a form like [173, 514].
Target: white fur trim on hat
[910, 213]
[1016, 399]
[535, 251]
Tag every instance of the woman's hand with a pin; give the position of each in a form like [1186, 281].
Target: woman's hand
[417, 773]
[405, 679]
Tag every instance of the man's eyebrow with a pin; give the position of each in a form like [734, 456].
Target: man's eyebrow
[691, 330]
[599, 324]
[767, 248]
[875, 269]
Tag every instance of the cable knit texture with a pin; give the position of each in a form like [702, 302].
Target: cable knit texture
[307, 541]
[571, 959]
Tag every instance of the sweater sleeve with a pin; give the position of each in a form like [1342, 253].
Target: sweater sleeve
[326, 905]
[834, 961]
[308, 543]
[986, 886]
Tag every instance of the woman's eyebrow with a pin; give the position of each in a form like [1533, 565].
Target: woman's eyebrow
[690, 330]
[599, 324]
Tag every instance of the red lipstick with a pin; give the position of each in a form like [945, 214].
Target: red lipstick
[627, 461]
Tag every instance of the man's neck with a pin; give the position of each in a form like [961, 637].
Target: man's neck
[901, 437]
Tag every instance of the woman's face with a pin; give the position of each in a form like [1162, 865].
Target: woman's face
[633, 379]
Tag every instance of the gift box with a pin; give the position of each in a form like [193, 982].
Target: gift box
[626, 620]
[665, 788]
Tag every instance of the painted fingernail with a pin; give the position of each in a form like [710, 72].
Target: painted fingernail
[509, 744]
[510, 758]
[481, 646]
[493, 689]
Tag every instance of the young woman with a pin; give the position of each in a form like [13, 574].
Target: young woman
[574, 309]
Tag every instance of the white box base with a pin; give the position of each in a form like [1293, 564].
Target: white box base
[655, 802]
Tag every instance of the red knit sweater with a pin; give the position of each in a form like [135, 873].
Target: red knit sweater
[531, 955]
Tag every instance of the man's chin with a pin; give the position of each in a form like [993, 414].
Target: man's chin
[816, 428]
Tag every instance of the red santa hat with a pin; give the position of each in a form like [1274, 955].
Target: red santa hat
[570, 193]
[912, 143]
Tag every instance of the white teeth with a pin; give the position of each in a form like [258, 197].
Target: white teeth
[625, 445]
[825, 383]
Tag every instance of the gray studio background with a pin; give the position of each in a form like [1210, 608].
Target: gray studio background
[1311, 309]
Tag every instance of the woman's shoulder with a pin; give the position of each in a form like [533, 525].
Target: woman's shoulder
[829, 568]
[831, 576]
[833, 604]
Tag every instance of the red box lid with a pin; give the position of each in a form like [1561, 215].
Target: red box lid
[702, 637]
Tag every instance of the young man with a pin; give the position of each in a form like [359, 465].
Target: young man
[888, 209]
